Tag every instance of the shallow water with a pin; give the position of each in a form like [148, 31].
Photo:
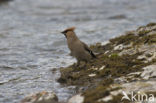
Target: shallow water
[31, 44]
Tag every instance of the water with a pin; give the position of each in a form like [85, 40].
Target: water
[31, 44]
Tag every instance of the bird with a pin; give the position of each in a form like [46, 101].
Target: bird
[78, 49]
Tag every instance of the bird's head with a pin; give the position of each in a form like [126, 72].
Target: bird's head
[68, 32]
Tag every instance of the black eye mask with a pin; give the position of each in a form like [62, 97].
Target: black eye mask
[64, 32]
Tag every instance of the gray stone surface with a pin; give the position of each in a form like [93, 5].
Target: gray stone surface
[76, 99]
[41, 97]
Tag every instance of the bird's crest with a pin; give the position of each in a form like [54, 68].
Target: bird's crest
[69, 29]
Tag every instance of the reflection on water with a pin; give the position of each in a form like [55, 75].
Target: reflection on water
[31, 44]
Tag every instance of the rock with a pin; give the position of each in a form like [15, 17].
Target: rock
[134, 73]
[141, 57]
[149, 72]
[101, 68]
[145, 30]
[128, 77]
[116, 92]
[130, 51]
[147, 48]
[41, 97]
[93, 68]
[105, 42]
[76, 99]
[105, 99]
[92, 75]
[119, 47]
[106, 52]
[141, 86]
[152, 33]
[149, 52]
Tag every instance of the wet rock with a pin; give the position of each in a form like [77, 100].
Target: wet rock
[141, 86]
[129, 77]
[93, 68]
[92, 75]
[141, 57]
[149, 52]
[106, 52]
[41, 97]
[149, 72]
[101, 68]
[137, 88]
[119, 47]
[152, 33]
[106, 99]
[130, 51]
[105, 42]
[144, 30]
[76, 99]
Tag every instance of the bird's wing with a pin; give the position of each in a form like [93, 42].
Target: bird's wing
[88, 49]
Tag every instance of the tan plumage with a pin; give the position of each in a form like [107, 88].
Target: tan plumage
[78, 48]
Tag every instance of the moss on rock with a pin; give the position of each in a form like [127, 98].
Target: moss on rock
[100, 73]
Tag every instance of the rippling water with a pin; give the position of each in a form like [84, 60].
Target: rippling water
[31, 44]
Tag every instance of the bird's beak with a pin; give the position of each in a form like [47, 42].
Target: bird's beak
[64, 33]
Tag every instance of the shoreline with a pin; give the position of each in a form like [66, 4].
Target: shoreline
[124, 71]
[120, 61]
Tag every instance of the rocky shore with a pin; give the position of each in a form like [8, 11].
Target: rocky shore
[124, 64]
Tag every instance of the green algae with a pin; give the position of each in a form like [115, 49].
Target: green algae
[151, 24]
[134, 39]
[124, 39]
[115, 66]
[117, 99]
[94, 94]
[144, 30]
[147, 39]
